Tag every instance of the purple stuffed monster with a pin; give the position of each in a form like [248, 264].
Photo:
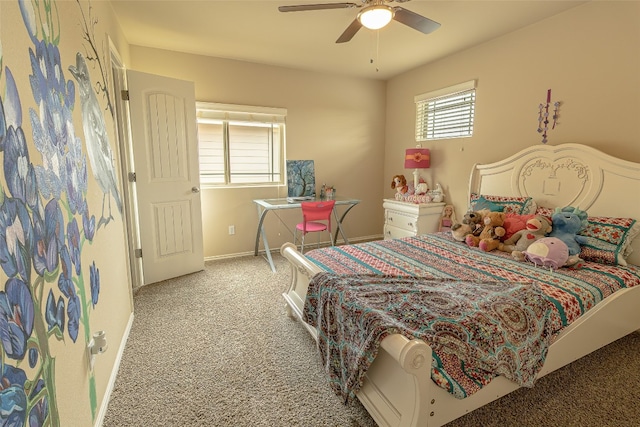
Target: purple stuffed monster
[548, 252]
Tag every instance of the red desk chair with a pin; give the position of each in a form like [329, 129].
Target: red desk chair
[312, 212]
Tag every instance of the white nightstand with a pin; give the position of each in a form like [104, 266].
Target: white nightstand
[402, 219]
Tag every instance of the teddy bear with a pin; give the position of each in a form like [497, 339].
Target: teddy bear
[535, 229]
[489, 238]
[399, 183]
[471, 224]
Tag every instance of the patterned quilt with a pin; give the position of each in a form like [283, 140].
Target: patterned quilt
[567, 294]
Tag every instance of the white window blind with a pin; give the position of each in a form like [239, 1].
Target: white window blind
[446, 113]
[240, 144]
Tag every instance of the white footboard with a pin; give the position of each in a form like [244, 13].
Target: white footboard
[398, 380]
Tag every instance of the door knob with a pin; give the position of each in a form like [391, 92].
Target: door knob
[195, 189]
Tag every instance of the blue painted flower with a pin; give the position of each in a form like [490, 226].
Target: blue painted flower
[13, 400]
[48, 76]
[63, 163]
[40, 410]
[65, 263]
[66, 286]
[16, 318]
[18, 170]
[16, 238]
[54, 314]
[29, 18]
[48, 237]
[73, 237]
[88, 224]
[12, 106]
[54, 221]
[33, 357]
[94, 274]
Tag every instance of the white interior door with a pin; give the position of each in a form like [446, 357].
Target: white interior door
[165, 151]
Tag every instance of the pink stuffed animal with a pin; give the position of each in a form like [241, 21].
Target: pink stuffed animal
[536, 228]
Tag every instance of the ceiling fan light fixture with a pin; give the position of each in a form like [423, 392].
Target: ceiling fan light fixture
[376, 17]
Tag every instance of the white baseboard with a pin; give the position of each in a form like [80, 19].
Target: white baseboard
[277, 250]
[114, 374]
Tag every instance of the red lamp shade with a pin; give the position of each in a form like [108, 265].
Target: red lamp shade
[417, 158]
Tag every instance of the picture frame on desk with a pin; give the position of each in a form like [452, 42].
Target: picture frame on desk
[301, 179]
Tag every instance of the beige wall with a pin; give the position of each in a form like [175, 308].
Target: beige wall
[589, 57]
[336, 121]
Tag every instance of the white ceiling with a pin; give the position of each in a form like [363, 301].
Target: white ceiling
[256, 31]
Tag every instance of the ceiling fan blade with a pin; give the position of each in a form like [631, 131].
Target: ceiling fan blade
[322, 6]
[351, 31]
[415, 21]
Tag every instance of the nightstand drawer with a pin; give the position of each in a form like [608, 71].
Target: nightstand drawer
[402, 221]
[391, 232]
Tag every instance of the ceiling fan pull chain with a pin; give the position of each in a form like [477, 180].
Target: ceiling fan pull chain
[376, 46]
[377, 49]
[371, 44]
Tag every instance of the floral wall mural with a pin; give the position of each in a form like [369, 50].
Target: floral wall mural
[49, 285]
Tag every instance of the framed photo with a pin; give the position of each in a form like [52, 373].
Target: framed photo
[301, 179]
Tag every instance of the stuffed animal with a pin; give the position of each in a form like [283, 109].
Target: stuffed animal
[437, 194]
[515, 222]
[475, 220]
[566, 223]
[553, 253]
[489, 238]
[471, 224]
[421, 188]
[548, 252]
[459, 231]
[536, 228]
[399, 183]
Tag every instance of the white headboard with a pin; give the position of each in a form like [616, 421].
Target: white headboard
[566, 175]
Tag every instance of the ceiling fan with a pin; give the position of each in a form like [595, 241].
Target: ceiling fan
[374, 15]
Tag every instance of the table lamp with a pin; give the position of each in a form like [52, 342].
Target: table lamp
[417, 158]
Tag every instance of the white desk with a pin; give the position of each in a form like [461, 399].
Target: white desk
[266, 205]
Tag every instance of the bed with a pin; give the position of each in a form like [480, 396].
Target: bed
[398, 387]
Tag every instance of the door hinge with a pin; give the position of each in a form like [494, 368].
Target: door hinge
[132, 177]
[125, 95]
[138, 253]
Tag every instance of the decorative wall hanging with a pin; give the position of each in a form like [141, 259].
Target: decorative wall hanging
[543, 117]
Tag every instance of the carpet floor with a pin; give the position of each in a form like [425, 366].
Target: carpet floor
[216, 348]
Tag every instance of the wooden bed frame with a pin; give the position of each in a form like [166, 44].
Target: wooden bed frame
[398, 390]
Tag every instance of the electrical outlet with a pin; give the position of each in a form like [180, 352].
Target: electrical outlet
[232, 230]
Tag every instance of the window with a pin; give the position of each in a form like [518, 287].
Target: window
[240, 144]
[446, 113]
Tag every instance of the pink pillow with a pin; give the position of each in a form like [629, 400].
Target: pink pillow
[514, 223]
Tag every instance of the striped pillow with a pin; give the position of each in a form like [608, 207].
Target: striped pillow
[608, 239]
